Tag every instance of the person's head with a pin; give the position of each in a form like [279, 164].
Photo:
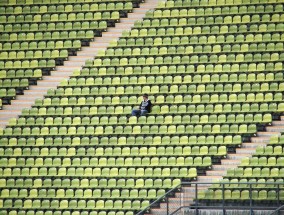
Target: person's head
[145, 97]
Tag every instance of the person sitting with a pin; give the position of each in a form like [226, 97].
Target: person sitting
[144, 108]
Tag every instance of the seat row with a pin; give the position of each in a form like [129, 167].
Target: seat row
[65, 212]
[228, 9]
[125, 5]
[228, 20]
[164, 80]
[84, 121]
[106, 130]
[181, 3]
[61, 17]
[40, 45]
[216, 10]
[109, 151]
[33, 54]
[21, 74]
[189, 59]
[265, 161]
[162, 161]
[276, 139]
[252, 182]
[241, 31]
[256, 172]
[160, 99]
[47, 36]
[27, 64]
[191, 49]
[161, 4]
[208, 31]
[12, 83]
[220, 91]
[188, 19]
[200, 39]
[270, 150]
[181, 69]
[122, 172]
[49, 2]
[62, 205]
[51, 27]
[244, 195]
[87, 183]
[79, 193]
[165, 109]
[157, 140]
[4, 93]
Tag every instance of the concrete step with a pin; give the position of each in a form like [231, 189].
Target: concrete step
[87, 49]
[223, 167]
[88, 54]
[28, 98]
[54, 78]
[121, 27]
[42, 88]
[238, 156]
[113, 30]
[253, 145]
[78, 59]
[104, 39]
[192, 189]
[276, 128]
[230, 162]
[76, 63]
[67, 68]
[266, 133]
[61, 74]
[9, 113]
[208, 179]
[215, 173]
[137, 16]
[3, 123]
[109, 35]
[22, 102]
[260, 139]
[278, 123]
[245, 150]
[20, 107]
[99, 45]
[48, 83]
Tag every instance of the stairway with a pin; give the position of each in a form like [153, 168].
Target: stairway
[186, 195]
[73, 63]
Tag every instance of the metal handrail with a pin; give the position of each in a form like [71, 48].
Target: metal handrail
[212, 183]
[157, 200]
[277, 210]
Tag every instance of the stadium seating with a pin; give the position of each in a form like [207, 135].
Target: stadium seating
[38, 36]
[264, 167]
[212, 68]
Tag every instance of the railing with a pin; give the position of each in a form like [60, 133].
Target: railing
[278, 211]
[189, 199]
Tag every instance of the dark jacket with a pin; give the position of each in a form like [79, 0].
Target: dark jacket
[146, 106]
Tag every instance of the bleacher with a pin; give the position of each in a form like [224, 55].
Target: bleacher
[262, 175]
[39, 35]
[212, 68]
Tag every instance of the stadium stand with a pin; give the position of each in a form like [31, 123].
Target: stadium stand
[41, 35]
[214, 71]
[265, 166]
